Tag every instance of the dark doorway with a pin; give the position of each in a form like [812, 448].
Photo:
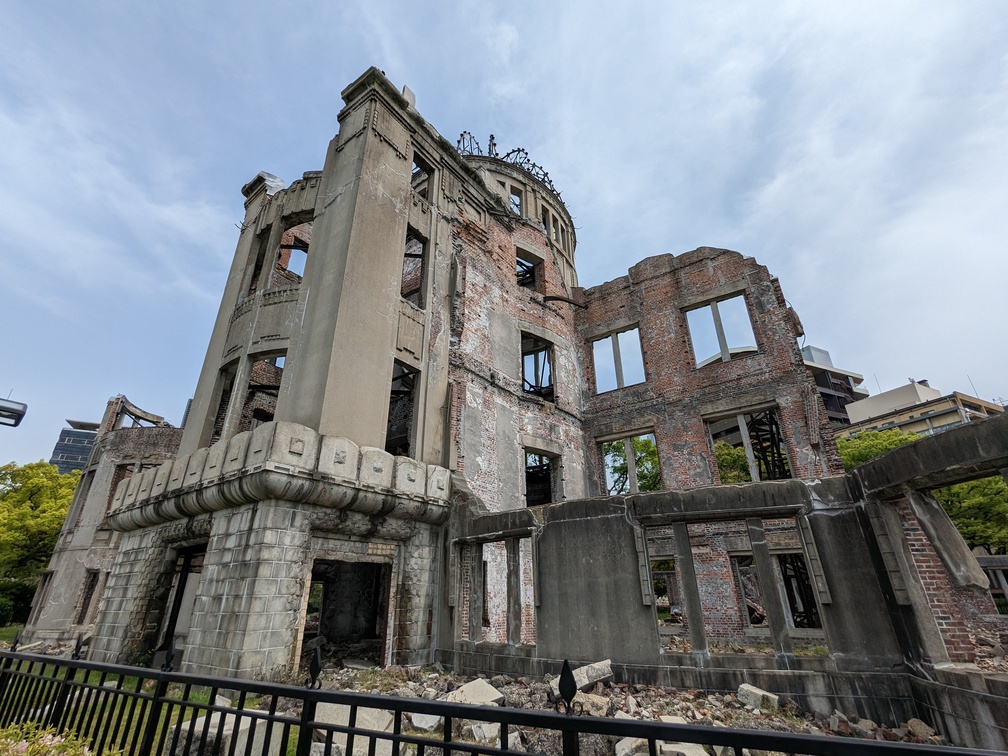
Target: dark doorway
[186, 576]
[348, 610]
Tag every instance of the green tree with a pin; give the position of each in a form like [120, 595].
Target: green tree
[866, 446]
[978, 508]
[646, 465]
[732, 464]
[34, 500]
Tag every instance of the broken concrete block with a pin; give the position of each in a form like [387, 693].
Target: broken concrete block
[425, 722]
[631, 746]
[672, 719]
[367, 719]
[486, 732]
[294, 446]
[478, 692]
[339, 457]
[438, 479]
[594, 706]
[237, 447]
[920, 729]
[683, 749]
[376, 467]
[410, 476]
[758, 698]
[586, 677]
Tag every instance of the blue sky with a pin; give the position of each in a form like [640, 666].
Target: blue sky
[858, 150]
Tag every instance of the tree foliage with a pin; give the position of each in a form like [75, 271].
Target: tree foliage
[866, 446]
[978, 508]
[646, 465]
[732, 463]
[34, 500]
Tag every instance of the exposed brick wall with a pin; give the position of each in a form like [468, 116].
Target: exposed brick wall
[951, 604]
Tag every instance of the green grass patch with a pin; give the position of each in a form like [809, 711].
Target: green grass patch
[7, 633]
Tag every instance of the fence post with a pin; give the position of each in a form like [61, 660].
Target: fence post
[59, 706]
[306, 732]
[154, 717]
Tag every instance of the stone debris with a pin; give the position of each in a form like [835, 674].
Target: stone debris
[758, 698]
[587, 677]
[478, 692]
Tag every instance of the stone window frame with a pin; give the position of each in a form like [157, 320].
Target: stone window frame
[415, 247]
[810, 631]
[551, 450]
[529, 270]
[726, 352]
[739, 417]
[542, 352]
[627, 438]
[613, 337]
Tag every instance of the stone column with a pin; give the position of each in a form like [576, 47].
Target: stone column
[691, 594]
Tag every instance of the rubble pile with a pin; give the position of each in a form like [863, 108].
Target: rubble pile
[990, 650]
[598, 695]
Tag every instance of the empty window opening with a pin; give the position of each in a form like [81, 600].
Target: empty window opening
[261, 394]
[563, 238]
[540, 475]
[556, 230]
[528, 270]
[261, 243]
[546, 220]
[618, 361]
[750, 595]
[537, 366]
[666, 591]
[226, 382]
[421, 178]
[720, 331]
[799, 590]
[89, 599]
[291, 257]
[414, 254]
[516, 200]
[278, 361]
[758, 436]
[41, 596]
[400, 432]
[348, 609]
[631, 465]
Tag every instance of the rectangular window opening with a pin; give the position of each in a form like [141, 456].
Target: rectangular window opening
[720, 331]
[87, 596]
[537, 366]
[516, 201]
[540, 473]
[750, 595]
[749, 446]
[292, 256]
[618, 360]
[666, 591]
[799, 590]
[414, 262]
[420, 181]
[401, 428]
[528, 269]
[631, 465]
[261, 395]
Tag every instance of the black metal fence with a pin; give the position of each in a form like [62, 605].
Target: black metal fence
[141, 711]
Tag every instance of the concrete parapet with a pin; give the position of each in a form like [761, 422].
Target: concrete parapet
[288, 462]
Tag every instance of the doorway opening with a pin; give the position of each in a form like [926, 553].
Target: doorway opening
[347, 612]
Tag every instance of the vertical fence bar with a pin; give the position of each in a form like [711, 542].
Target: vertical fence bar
[571, 745]
[153, 716]
[307, 731]
[59, 706]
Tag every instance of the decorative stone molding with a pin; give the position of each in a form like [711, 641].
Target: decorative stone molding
[288, 462]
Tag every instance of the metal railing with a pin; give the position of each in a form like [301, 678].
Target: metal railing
[140, 711]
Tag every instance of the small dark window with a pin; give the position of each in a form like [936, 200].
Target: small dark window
[414, 260]
[420, 181]
[539, 473]
[87, 596]
[516, 200]
[399, 433]
[528, 270]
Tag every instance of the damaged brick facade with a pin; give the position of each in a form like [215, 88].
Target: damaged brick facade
[407, 392]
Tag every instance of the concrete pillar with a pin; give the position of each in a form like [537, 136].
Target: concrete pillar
[340, 365]
[691, 594]
[772, 600]
[476, 593]
[514, 608]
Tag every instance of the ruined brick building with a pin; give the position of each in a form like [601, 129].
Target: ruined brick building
[416, 435]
